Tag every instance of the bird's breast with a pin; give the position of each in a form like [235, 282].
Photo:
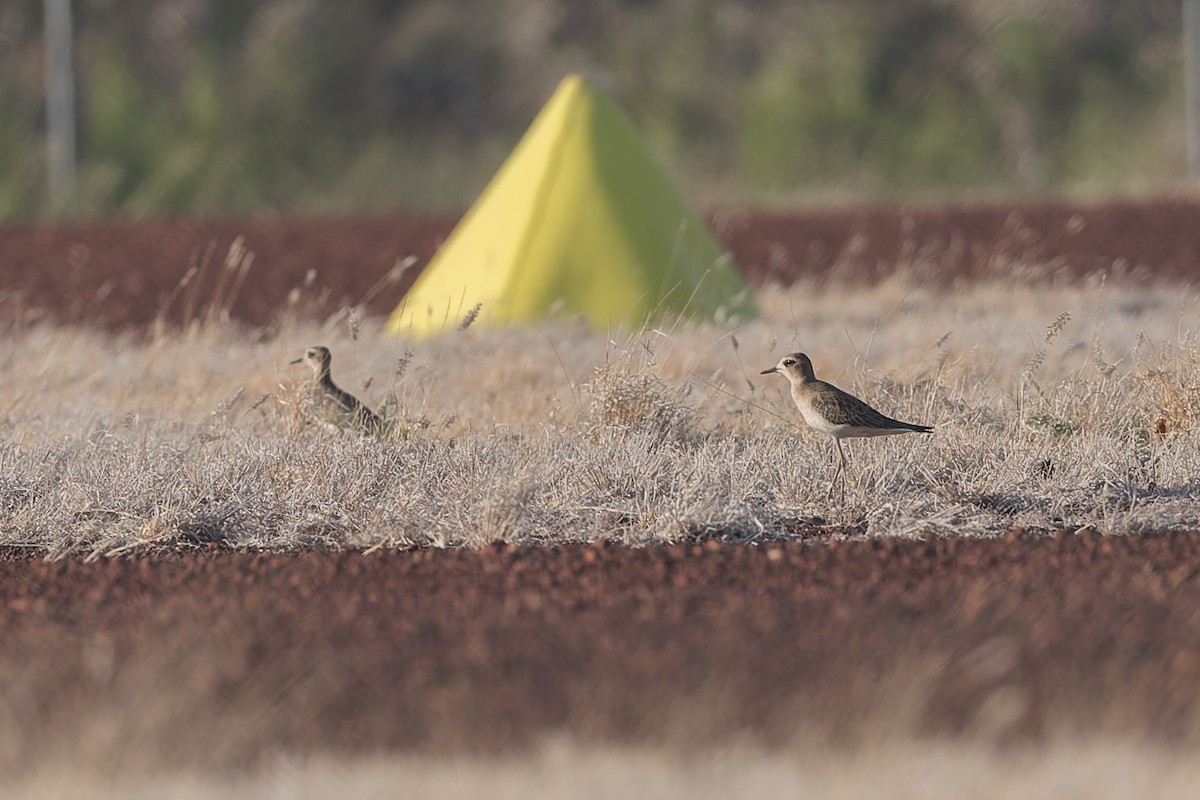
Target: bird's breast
[813, 417]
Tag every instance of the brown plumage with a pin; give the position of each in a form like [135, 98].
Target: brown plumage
[347, 405]
[829, 410]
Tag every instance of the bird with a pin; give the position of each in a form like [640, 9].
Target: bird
[348, 406]
[831, 411]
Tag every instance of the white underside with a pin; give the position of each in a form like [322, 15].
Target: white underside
[854, 431]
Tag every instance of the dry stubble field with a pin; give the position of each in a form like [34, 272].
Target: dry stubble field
[204, 589]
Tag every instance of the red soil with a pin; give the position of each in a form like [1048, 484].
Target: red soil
[220, 657]
[120, 275]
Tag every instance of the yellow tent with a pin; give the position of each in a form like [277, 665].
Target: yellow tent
[579, 220]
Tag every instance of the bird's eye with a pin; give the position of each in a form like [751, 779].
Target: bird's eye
[789, 362]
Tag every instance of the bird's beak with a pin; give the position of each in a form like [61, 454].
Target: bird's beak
[769, 371]
[296, 361]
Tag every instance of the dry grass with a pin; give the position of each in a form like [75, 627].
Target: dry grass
[568, 770]
[1054, 407]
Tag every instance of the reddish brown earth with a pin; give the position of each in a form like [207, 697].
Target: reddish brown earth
[218, 657]
[121, 274]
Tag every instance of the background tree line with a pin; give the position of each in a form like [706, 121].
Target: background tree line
[228, 107]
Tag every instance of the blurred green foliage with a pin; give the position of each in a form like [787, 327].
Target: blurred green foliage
[225, 107]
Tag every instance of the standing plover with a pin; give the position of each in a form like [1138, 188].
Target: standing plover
[347, 405]
[829, 410]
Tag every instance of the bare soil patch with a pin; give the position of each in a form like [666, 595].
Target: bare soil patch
[219, 658]
[124, 274]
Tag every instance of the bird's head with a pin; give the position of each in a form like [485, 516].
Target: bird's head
[796, 367]
[317, 357]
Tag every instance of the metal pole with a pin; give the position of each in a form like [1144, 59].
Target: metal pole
[1191, 81]
[60, 104]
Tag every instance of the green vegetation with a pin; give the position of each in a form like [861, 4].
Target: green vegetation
[224, 107]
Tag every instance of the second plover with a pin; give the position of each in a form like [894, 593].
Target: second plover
[829, 410]
[345, 404]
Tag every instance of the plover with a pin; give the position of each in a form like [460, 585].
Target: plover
[347, 405]
[829, 410]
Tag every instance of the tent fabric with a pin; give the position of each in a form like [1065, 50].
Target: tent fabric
[579, 220]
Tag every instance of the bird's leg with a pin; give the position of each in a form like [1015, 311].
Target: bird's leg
[832, 483]
[840, 472]
[837, 472]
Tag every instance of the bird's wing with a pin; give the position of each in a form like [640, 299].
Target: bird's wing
[843, 408]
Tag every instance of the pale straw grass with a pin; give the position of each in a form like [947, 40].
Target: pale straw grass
[1054, 406]
[930, 770]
